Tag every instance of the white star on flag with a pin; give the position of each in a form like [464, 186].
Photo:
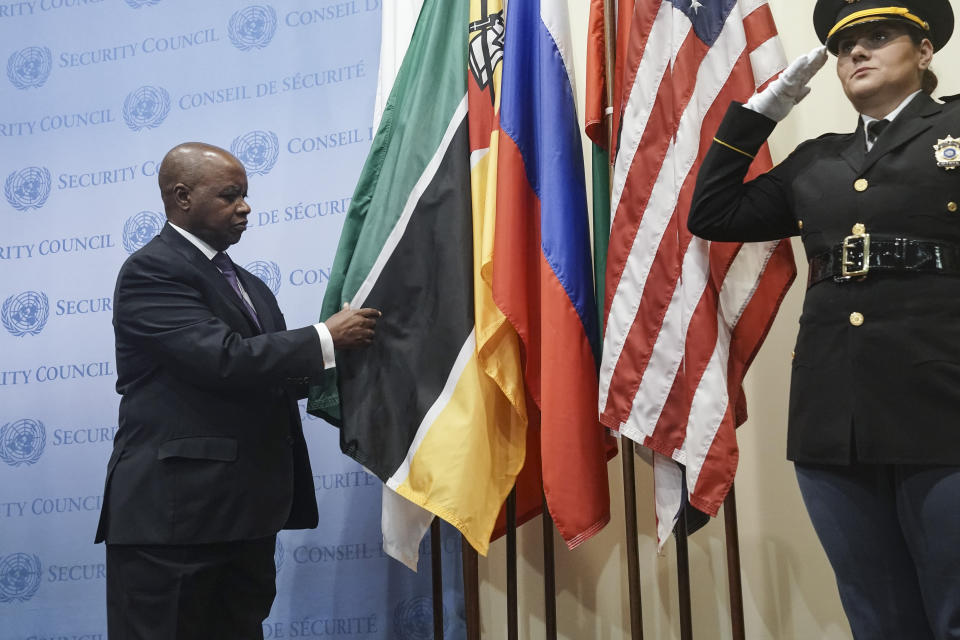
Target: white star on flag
[695, 6]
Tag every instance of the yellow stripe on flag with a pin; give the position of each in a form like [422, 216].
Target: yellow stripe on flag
[464, 470]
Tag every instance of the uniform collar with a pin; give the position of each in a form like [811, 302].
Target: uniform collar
[889, 117]
[893, 114]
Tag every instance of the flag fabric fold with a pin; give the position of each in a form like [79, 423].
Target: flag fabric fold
[417, 408]
[498, 346]
[684, 317]
[402, 523]
[595, 116]
[542, 273]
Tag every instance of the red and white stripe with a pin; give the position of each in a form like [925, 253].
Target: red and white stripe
[684, 316]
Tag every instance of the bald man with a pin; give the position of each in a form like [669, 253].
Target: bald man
[209, 461]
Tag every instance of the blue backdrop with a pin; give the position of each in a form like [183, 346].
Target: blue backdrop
[95, 92]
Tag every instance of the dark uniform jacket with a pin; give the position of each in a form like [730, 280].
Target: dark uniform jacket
[210, 446]
[876, 370]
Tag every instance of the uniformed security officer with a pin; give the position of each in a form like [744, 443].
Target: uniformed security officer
[874, 426]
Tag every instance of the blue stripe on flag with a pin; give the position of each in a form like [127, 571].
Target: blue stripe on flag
[538, 112]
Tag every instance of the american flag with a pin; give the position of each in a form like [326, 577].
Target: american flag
[684, 317]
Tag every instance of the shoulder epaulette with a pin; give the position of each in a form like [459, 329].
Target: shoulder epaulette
[950, 98]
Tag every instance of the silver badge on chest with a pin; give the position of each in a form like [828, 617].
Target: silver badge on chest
[947, 152]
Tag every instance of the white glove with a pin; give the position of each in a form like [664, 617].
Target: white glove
[790, 88]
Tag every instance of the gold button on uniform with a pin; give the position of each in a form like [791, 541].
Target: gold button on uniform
[858, 229]
[856, 318]
[800, 224]
[952, 207]
[861, 184]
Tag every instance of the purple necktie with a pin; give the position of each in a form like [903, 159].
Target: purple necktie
[223, 262]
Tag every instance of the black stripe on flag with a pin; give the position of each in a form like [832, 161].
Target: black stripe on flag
[425, 292]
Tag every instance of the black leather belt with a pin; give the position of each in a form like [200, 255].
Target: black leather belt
[860, 255]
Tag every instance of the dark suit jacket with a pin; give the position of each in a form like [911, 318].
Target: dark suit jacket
[889, 385]
[210, 447]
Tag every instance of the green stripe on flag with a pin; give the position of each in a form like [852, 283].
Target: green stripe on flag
[424, 101]
[601, 224]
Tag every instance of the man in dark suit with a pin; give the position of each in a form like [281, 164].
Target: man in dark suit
[209, 461]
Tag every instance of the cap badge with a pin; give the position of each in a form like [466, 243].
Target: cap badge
[947, 152]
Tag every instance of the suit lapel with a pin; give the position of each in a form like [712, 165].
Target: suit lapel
[208, 271]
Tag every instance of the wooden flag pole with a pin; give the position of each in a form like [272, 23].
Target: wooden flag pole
[471, 588]
[549, 575]
[512, 616]
[683, 576]
[609, 66]
[436, 561]
[633, 546]
[733, 566]
[626, 444]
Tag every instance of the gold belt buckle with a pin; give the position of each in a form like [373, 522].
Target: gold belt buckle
[850, 243]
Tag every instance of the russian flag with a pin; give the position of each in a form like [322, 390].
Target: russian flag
[542, 277]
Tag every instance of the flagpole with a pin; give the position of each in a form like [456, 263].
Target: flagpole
[626, 444]
[609, 65]
[512, 599]
[549, 575]
[436, 560]
[683, 575]
[733, 566]
[633, 548]
[471, 588]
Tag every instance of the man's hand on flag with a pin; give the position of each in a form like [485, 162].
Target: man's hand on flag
[352, 327]
[790, 88]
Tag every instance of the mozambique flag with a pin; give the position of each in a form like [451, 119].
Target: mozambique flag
[440, 424]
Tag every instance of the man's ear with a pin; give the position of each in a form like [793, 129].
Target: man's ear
[181, 196]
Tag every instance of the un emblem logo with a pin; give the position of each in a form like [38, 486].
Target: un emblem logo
[29, 67]
[146, 107]
[267, 271]
[257, 150]
[19, 577]
[253, 27]
[413, 619]
[278, 555]
[140, 228]
[28, 188]
[22, 442]
[25, 313]
[136, 4]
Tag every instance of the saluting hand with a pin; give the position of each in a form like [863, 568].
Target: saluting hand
[352, 327]
[790, 88]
